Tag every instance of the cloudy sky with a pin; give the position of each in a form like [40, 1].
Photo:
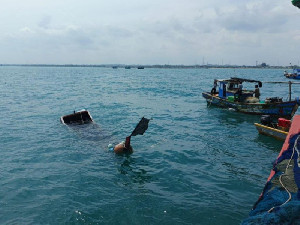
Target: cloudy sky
[243, 32]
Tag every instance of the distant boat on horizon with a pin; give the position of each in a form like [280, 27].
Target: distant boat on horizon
[141, 67]
[294, 75]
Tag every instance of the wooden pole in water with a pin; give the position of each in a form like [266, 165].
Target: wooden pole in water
[290, 91]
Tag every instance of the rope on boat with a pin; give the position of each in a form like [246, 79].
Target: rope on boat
[209, 104]
[280, 177]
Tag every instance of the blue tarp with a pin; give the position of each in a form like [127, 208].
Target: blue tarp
[279, 202]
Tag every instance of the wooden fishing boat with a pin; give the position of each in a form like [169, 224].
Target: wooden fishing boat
[277, 130]
[279, 202]
[230, 95]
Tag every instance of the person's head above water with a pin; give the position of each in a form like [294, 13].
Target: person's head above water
[123, 147]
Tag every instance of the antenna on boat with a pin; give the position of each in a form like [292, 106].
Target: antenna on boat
[284, 82]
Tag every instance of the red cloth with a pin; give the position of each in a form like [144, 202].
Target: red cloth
[284, 122]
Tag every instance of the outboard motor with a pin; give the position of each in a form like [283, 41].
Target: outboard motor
[266, 120]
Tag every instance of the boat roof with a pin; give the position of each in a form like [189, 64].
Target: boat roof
[239, 80]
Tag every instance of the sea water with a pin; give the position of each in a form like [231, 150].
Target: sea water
[195, 164]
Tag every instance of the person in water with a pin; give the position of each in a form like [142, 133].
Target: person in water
[123, 147]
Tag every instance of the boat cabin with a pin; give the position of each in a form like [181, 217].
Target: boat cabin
[230, 88]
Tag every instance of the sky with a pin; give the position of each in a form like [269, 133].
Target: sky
[175, 32]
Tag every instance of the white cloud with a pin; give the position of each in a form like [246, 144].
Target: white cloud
[26, 30]
[147, 31]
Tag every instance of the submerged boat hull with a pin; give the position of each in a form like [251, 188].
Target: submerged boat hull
[276, 133]
[282, 109]
[80, 117]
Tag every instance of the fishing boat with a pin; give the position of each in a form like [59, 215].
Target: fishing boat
[80, 117]
[231, 95]
[278, 130]
[279, 202]
[294, 75]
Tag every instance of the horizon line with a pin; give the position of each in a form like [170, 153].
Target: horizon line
[145, 65]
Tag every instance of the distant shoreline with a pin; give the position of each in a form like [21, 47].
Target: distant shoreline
[153, 66]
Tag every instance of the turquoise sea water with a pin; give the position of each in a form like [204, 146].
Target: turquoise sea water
[194, 165]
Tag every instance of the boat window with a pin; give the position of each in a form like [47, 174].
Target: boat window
[232, 87]
[249, 86]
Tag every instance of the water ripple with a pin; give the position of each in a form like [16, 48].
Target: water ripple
[194, 165]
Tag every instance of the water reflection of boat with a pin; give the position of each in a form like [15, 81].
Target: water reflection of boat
[230, 94]
[82, 123]
[278, 130]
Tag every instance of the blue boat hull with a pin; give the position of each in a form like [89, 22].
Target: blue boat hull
[282, 109]
[293, 77]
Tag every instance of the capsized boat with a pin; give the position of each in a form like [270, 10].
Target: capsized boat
[79, 117]
[278, 130]
[230, 95]
[294, 75]
[279, 202]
